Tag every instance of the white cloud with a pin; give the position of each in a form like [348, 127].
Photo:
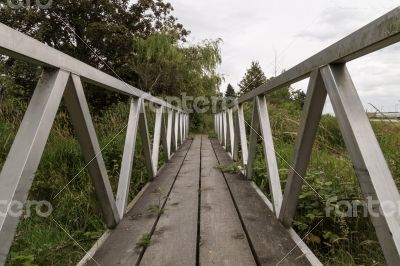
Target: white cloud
[294, 30]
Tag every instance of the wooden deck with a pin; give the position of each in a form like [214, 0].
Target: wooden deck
[197, 215]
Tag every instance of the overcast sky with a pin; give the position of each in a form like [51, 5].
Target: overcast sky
[293, 31]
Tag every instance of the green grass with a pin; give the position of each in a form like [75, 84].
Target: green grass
[144, 241]
[336, 240]
[234, 168]
[43, 241]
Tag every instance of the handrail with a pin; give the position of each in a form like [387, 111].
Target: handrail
[20, 46]
[62, 77]
[376, 35]
[328, 77]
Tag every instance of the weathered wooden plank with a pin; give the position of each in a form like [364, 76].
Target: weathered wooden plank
[175, 238]
[120, 247]
[222, 238]
[269, 240]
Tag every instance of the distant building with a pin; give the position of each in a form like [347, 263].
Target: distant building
[384, 116]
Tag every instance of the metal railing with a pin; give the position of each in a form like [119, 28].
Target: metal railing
[328, 77]
[62, 77]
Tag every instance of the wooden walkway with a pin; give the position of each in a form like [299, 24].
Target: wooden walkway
[193, 214]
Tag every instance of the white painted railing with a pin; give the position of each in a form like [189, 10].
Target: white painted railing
[62, 77]
[328, 77]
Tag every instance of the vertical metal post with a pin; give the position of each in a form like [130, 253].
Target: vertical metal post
[78, 109]
[216, 124]
[170, 120]
[188, 126]
[242, 133]
[224, 130]
[177, 129]
[311, 115]
[236, 139]
[166, 139]
[181, 128]
[146, 144]
[157, 138]
[219, 128]
[260, 114]
[174, 142]
[269, 153]
[184, 127]
[254, 128]
[128, 157]
[231, 131]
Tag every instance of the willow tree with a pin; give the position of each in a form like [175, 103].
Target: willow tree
[164, 66]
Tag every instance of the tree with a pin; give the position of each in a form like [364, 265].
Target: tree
[100, 33]
[298, 97]
[106, 26]
[253, 78]
[230, 92]
[165, 68]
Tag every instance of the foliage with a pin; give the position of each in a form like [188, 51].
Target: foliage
[69, 25]
[337, 240]
[166, 68]
[41, 241]
[230, 92]
[155, 209]
[298, 97]
[99, 33]
[253, 78]
[234, 168]
[144, 241]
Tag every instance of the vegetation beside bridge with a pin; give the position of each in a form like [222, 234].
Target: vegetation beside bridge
[146, 47]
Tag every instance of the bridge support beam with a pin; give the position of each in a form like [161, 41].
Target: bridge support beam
[165, 138]
[231, 132]
[157, 138]
[177, 130]
[82, 122]
[241, 134]
[373, 173]
[261, 123]
[146, 143]
[128, 156]
[23, 159]
[310, 117]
